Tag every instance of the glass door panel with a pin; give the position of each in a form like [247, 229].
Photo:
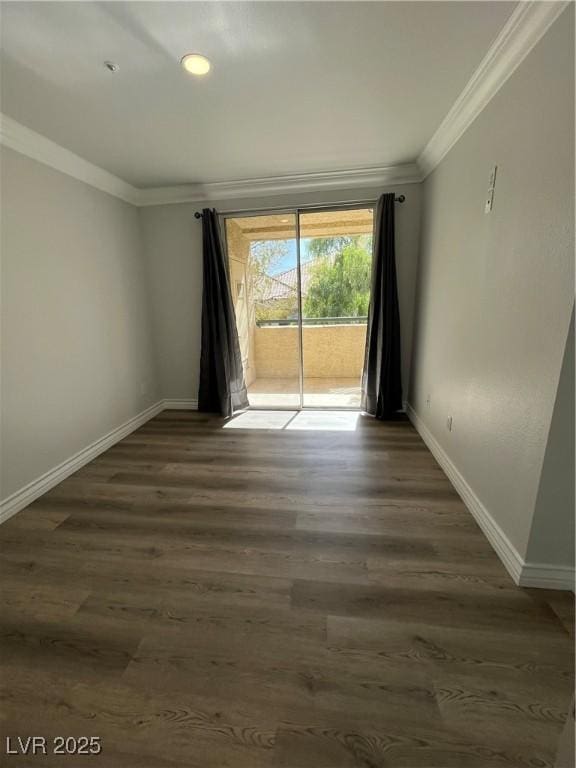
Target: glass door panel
[263, 268]
[335, 268]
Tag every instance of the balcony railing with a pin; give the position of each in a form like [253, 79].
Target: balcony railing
[314, 321]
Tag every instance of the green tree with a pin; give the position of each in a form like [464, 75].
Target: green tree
[265, 258]
[265, 255]
[281, 309]
[330, 246]
[339, 283]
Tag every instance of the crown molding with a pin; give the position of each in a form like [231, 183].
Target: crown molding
[527, 24]
[278, 185]
[525, 27]
[27, 142]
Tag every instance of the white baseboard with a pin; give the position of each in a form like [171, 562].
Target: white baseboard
[495, 535]
[180, 405]
[48, 480]
[546, 576]
[524, 574]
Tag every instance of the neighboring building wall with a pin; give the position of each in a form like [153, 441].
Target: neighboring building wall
[77, 340]
[330, 351]
[238, 248]
[496, 290]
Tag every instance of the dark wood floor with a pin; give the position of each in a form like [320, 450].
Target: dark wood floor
[209, 597]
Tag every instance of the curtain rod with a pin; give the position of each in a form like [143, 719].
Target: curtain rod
[351, 204]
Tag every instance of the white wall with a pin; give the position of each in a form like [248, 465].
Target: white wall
[172, 240]
[102, 303]
[101, 307]
[173, 245]
[496, 291]
[77, 357]
[552, 533]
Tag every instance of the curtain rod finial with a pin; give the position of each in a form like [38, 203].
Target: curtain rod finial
[400, 199]
[197, 215]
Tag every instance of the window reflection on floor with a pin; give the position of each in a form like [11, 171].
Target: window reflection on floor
[260, 420]
[322, 421]
[331, 421]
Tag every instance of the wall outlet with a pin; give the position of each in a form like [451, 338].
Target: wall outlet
[143, 387]
[428, 401]
[449, 423]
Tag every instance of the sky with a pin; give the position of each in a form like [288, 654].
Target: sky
[289, 261]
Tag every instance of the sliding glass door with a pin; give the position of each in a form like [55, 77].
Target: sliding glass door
[263, 264]
[336, 261]
[300, 285]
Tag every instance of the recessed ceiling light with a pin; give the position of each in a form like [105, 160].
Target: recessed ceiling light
[195, 63]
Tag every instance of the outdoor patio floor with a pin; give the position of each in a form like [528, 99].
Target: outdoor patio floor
[318, 393]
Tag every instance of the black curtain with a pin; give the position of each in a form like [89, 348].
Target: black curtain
[222, 389]
[381, 382]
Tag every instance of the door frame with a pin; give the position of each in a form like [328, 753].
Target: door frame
[296, 212]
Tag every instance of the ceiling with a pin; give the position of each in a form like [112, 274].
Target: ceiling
[282, 226]
[294, 88]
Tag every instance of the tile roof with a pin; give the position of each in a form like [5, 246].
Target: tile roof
[283, 285]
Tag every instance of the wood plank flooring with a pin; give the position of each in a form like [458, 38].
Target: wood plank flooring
[219, 598]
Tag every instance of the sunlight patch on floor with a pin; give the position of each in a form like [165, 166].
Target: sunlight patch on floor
[260, 420]
[326, 421]
[321, 421]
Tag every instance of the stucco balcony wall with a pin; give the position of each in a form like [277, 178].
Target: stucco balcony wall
[330, 351]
